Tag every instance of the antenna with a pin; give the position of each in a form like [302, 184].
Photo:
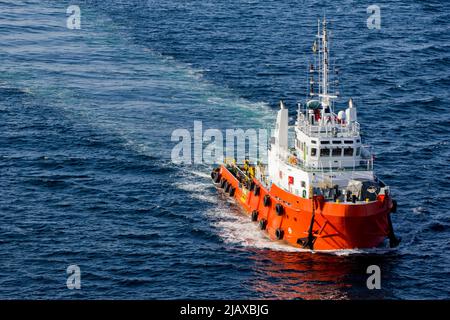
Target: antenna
[317, 61]
[311, 80]
[312, 71]
[336, 79]
[326, 98]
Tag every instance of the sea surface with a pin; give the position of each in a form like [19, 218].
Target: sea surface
[86, 118]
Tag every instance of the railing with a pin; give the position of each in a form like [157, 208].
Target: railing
[244, 175]
[364, 164]
[330, 130]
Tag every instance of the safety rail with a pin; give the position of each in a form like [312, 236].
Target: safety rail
[330, 130]
[364, 164]
[262, 178]
[231, 163]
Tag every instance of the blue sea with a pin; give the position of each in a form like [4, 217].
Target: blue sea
[86, 117]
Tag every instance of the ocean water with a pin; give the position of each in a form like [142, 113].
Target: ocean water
[86, 118]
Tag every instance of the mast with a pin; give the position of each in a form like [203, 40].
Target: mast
[318, 45]
[324, 63]
[321, 67]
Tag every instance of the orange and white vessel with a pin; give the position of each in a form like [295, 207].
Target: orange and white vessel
[318, 190]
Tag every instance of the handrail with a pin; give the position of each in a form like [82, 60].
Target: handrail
[348, 130]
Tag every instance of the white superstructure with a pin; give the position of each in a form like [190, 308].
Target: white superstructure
[326, 153]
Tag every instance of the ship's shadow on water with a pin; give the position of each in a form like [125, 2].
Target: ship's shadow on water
[315, 276]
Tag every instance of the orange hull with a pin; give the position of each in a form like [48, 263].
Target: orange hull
[335, 225]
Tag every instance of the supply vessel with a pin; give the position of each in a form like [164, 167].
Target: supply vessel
[318, 189]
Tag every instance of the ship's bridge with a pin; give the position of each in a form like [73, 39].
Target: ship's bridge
[324, 152]
[319, 122]
[324, 139]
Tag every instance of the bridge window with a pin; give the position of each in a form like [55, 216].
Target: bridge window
[348, 141]
[313, 152]
[348, 152]
[337, 152]
[325, 142]
[337, 142]
[324, 152]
